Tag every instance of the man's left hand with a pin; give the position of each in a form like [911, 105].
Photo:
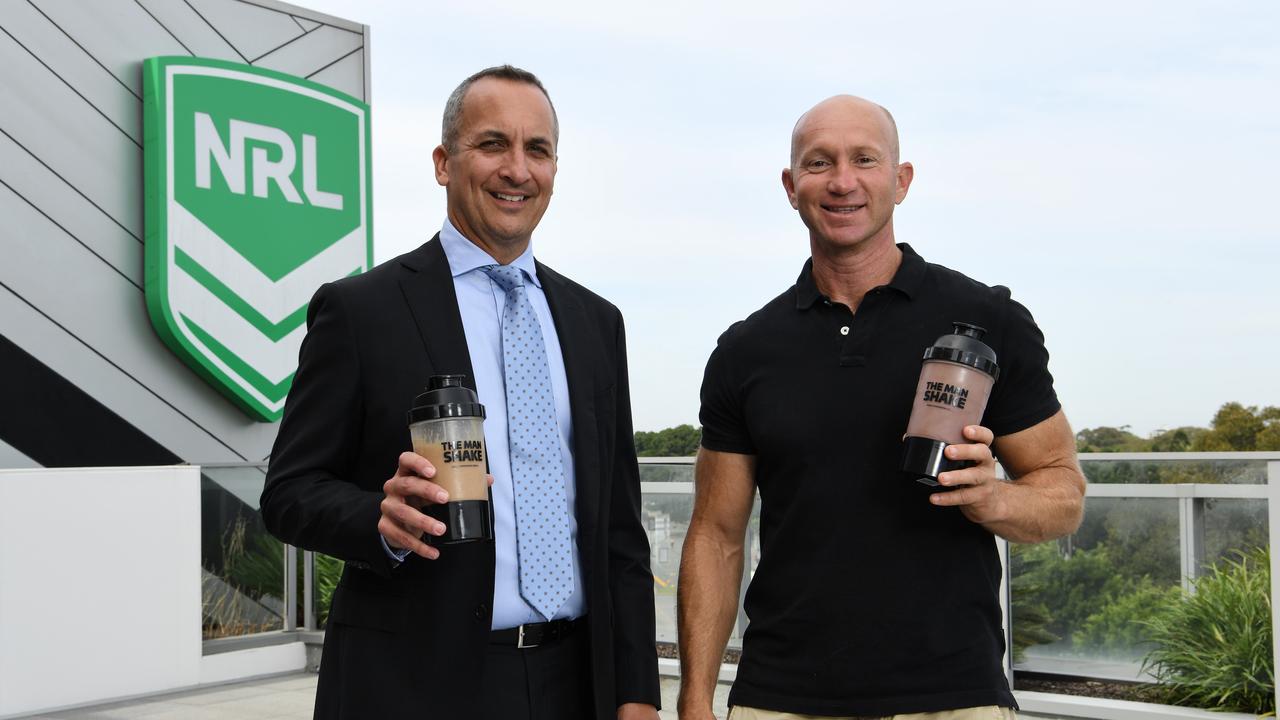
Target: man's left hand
[637, 711]
[977, 490]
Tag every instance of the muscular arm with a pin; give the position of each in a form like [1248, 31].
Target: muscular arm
[1045, 498]
[711, 572]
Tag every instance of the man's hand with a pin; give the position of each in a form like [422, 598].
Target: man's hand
[978, 492]
[1044, 498]
[402, 524]
[637, 711]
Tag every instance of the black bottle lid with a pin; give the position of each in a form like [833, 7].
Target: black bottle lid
[964, 346]
[446, 397]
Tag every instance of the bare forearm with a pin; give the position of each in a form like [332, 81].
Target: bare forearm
[1045, 504]
[710, 575]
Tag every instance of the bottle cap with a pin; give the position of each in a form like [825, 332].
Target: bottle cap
[964, 346]
[446, 397]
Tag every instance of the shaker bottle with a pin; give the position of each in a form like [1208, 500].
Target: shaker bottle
[447, 426]
[955, 384]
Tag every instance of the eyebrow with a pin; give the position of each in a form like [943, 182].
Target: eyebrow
[492, 135]
[831, 152]
[499, 135]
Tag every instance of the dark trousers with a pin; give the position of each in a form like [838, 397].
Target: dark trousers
[548, 682]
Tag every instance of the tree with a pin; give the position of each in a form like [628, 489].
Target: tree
[1176, 440]
[1234, 427]
[1109, 439]
[678, 441]
[1237, 427]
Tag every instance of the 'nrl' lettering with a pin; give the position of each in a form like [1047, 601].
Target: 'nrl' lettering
[230, 161]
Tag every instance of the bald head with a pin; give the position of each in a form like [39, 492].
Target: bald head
[842, 108]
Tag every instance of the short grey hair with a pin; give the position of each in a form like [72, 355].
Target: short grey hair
[449, 127]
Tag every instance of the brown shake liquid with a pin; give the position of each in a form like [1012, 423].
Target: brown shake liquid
[459, 461]
[949, 397]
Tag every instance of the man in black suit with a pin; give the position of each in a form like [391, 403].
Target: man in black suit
[423, 631]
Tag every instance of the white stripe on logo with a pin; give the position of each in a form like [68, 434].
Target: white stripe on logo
[274, 360]
[275, 300]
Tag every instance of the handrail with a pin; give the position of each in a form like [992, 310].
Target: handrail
[1191, 499]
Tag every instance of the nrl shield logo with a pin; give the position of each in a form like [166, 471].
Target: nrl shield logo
[257, 192]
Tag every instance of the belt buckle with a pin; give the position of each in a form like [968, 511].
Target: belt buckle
[520, 639]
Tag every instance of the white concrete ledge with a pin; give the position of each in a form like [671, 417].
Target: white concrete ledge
[1071, 706]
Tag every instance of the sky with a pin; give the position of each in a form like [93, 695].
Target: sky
[1112, 163]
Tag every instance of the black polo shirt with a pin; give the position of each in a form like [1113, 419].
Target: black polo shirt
[868, 600]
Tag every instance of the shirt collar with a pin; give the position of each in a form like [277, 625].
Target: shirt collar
[906, 280]
[465, 256]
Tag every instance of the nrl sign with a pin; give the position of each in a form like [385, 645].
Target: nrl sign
[257, 192]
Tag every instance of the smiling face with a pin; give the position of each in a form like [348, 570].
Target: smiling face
[499, 173]
[845, 178]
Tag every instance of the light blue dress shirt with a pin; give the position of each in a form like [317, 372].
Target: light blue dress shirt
[481, 301]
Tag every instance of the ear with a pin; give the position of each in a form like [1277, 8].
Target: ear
[440, 157]
[789, 184]
[906, 173]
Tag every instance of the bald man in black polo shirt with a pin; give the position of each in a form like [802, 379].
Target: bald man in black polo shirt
[874, 595]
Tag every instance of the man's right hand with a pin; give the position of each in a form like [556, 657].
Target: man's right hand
[402, 524]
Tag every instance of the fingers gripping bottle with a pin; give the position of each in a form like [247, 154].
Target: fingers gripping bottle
[955, 384]
[447, 427]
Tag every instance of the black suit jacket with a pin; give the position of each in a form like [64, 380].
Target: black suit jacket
[410, 641]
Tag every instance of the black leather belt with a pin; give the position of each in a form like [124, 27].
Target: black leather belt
[534, 634]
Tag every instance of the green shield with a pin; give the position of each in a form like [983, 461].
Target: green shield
[257, 192]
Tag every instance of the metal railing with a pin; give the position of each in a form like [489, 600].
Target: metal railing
[667, 488]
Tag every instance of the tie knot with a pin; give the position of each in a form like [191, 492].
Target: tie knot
[508, 277]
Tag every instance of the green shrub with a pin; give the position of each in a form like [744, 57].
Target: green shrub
[1213, 647]
[1071, 588]
[1030, 616]
[1121, 625]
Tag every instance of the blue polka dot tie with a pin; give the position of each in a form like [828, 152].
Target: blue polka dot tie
[542, 510]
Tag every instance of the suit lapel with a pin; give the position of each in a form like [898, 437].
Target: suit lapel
[580, 365]
[427, 285]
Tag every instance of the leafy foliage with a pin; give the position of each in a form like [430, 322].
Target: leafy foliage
[1072, 587]
[1030, 615]
[678, 441]
[1109, 439]
[1234, 427]
[1213, 647]
[253, 567]
[1120, 625]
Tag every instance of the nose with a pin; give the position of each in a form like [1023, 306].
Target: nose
[841, 180]
[515, 167]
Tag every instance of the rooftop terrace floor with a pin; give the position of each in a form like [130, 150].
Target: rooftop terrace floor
[286, 697]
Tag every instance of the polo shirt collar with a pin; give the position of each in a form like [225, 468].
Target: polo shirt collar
[465, 256]
[906, 280]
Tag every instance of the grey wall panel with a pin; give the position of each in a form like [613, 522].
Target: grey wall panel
[368, 66]
[109, 314]
[303, 13]
[113, 32]
[253, 30]
[79, 364]
[58, 200]
[346, 75]
[11, 458]
[72, 65]
[313, 51]
[80, 145]
[71, 192]
[190, 30]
